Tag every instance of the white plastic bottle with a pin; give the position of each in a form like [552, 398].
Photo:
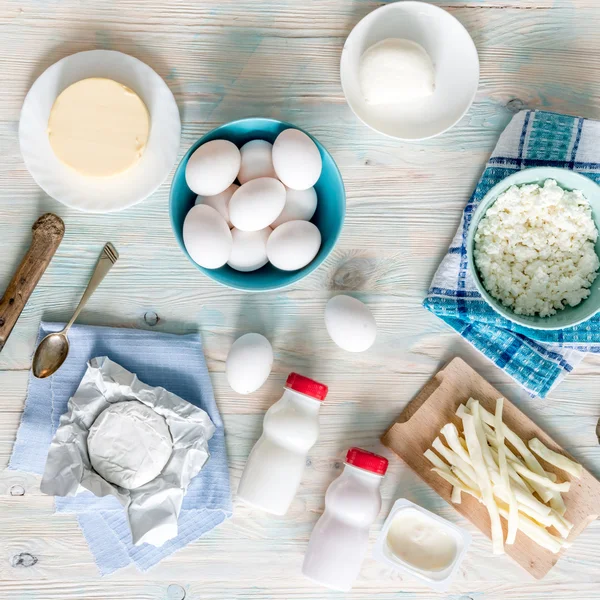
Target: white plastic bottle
[339, 541]
[290, 429]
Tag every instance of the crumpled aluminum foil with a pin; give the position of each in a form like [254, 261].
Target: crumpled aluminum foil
[152, 509]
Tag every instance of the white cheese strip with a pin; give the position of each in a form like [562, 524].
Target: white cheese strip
[483, 480]
[555, 459]
[452, 436]
[530, 460]
[456, 499]
[453, 458]
[541, 479]
[536, 532]
[450, 478]
[513, 509]
[466, 479]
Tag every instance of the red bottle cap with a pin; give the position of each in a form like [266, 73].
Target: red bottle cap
[306, 386]
[367, 461]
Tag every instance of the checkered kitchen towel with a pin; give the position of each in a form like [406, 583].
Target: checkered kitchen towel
[537, 360]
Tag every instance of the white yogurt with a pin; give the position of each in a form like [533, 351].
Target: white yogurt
[420, 541]
[417, 542]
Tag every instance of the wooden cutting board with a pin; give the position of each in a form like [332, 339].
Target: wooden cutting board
[436, 404]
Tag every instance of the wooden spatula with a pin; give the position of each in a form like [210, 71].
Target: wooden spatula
[48, 232]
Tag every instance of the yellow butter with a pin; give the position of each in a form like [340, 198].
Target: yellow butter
[98, 127]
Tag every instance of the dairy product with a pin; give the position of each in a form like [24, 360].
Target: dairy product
[129, 444]
[290, 429]
[420, 541]
[98, 127]
[395, 70]
[534, 248]
[340, 538]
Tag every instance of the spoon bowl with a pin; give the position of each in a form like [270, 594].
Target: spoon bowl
[53, 349]
[50, 354]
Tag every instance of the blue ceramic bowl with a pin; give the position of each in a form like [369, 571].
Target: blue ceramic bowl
[329, 216]
[568, 180]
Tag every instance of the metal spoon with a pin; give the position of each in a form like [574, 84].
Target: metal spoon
[53, 349]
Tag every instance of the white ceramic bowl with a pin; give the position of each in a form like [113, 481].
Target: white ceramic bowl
[100, 194]
[454, 58]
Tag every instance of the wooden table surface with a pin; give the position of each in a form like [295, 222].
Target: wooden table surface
[230, 59]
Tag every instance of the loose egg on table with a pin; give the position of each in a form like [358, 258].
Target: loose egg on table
[276, 193]
[350, 323]
[249, 363]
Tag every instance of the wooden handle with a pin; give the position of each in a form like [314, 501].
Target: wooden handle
[48, 232]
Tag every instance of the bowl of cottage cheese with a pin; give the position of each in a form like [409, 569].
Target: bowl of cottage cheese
[533, 248]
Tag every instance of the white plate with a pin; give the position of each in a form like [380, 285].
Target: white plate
[454, 58]
[107, 194]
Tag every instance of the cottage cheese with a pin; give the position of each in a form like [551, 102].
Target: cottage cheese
[534, 249]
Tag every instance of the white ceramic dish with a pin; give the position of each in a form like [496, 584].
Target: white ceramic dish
[454, 58]
[108, 194]
[437, 580]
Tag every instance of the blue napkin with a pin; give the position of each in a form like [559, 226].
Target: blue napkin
[537, 360]
[175, 362]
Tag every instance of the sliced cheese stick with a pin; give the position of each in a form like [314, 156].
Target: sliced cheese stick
[540, 479]
[435, 460]
[453, 458]
[536, 532]
[456, 499]
[466, 479]
[483, 480]
[450, 432]
[491, 437]
[450, 478]
[526, 499]
[513, 509]
[555, 459]
[530, 460]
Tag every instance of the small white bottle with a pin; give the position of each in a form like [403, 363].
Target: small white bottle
[339, 541]
[290, 429]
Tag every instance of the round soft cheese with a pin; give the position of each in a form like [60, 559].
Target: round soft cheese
[98, 127]
[129, 444]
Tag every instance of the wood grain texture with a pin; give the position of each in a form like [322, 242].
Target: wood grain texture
[228, 59]
[420, 424]
[47, 233]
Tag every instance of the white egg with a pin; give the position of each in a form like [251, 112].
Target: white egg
[220, 202]
[249, 363]
[350, 323]
[296, 159]
[257, 204]
[213, 167]
[207, 237]
[257, 161]
[249, 251]
[300, 205]
[293, 245]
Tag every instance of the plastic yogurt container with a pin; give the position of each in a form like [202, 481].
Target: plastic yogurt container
[417, 542]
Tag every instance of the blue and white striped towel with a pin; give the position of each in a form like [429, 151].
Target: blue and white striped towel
[175, 362]
[537, 360]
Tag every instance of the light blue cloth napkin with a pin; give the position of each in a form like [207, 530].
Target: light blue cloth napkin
[537, 360]
[175, 362]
